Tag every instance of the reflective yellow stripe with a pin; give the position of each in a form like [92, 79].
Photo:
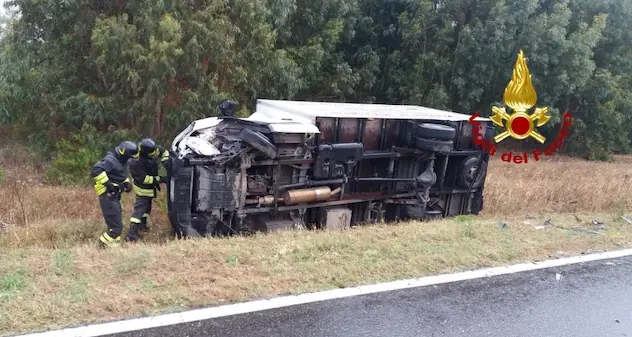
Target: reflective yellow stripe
[108, 240]
[99, 188]
[102, 178]
[148, 180]
[143, 192]
[127, 180]
[154, 152]
[146, 215]
[165, 156]
[107, 237]
[135, 220]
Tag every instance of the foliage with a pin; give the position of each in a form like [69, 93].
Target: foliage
[153, 66]
[76, 154]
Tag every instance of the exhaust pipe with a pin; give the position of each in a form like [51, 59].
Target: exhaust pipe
[302, 196]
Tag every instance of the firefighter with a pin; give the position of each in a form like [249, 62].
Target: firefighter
[146, 179]
[227, 108]
[111, 178]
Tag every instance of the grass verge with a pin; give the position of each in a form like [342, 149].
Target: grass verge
[43, 287]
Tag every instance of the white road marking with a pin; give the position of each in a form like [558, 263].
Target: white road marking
[285, 301]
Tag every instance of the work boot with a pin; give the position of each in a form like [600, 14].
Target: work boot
[133, 234]
[143, 227]
[106, 241]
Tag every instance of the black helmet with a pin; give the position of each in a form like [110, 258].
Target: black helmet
[126, 150]
[227, 107]
[148, 148]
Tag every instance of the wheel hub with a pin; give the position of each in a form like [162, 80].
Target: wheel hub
[471, 172]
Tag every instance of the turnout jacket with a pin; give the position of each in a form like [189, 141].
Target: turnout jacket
[108, 168]
[144, 171]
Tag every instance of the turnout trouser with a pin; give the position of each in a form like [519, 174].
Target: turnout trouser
[112, 213]
[142, 210]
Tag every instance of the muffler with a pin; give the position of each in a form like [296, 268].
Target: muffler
[292, 197]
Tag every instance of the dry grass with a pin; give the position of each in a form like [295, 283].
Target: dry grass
[52, 274]
[558, 185]
[47, 288]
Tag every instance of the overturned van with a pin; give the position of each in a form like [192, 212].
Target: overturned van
[295, 164]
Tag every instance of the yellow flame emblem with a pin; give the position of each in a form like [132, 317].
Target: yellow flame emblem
[520, 96]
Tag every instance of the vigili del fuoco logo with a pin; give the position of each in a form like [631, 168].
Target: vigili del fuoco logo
[520, 96]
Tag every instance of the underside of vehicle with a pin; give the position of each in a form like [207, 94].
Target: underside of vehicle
[332, 165]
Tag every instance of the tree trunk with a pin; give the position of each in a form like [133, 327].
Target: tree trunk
[157, 124]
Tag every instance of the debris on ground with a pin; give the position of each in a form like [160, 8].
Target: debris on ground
[546, 223]
[503, 225]
[582, 230]
[558, 277]
[627, 220]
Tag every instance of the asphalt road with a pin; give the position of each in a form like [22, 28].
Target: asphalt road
[589, 300]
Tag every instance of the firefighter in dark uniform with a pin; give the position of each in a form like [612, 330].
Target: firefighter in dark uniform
[111, 178]
[227, 108]
[146, 179]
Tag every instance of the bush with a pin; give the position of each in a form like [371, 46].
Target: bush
[75, 156]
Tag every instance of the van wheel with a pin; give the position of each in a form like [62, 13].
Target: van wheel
[477, 204]
[436, 131]
[468, 169]
[433, 145]
[260, 142]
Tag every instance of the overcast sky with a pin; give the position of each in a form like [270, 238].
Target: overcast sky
[2, 10]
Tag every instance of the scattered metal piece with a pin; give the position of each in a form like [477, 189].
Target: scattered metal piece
[546, 223]
[503, 225]
[597, 222]
[577, 229]
[558, 277]
[627, 220]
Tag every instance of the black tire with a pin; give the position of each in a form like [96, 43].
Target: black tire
[433, 215]
[434, 145]
[259, 141]
[477, 204]
[467, 170]
[436, 131]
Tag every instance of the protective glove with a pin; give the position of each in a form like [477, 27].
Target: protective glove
[111, 188]
[127, 187]
[157, 181]
[162, 179]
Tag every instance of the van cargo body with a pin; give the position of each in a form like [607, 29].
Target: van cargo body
[295, 164]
